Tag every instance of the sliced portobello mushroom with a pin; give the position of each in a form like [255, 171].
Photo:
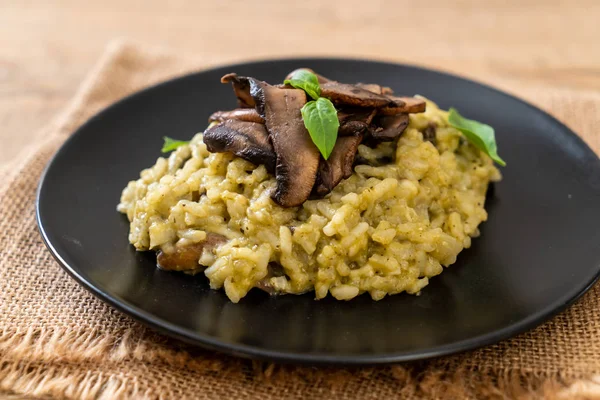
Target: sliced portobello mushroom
[389, 127]
[297, 155]
[375, 88]
[338, 166]
[241, 88]
[355, 120]
[241, 114]
[347, 114]
[350, 128]
[410, 105]
[185, 258]
[429, 133]
[248, 140]
[371, 87]
[352, 95]
[273, 270]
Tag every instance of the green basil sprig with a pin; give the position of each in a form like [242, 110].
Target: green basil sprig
[172, 144]
[307, 81]
[319, 115]
[479, 134]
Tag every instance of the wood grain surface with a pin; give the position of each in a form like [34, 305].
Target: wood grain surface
[46, 47]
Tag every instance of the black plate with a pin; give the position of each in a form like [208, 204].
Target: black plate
[539, 250]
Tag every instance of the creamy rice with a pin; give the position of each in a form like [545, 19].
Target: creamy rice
[385, 230]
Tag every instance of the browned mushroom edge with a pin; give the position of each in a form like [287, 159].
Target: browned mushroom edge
[389, 127]
[241, 88]
[273, 270]
[429, 133]
[241, 114]
[410, 105]
[248, 140]
[185, 258]
[352, 95]
[338, 166]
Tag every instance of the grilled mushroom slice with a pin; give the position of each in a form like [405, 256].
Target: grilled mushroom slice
[389, 127]
[371, 87]
[185, 258]
[241, 88]
[375, 88]
[350, 128]
[356, 114]
[297, 155]
[410, 105]
[429, 133]
[339, 165]
[354, 120]
[242, 114]
[273, 270]
[346, 94]
[248, 140]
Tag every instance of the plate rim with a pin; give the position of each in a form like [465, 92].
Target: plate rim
[254, 352]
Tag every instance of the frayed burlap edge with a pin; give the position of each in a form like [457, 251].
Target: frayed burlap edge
[83, 364]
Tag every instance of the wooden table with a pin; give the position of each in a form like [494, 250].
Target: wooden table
[46, 47]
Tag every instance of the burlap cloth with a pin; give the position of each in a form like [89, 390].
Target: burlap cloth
[57, 340]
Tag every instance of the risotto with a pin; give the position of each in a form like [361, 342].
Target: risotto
[405, 212]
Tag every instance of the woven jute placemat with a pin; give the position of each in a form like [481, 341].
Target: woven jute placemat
[57, 340]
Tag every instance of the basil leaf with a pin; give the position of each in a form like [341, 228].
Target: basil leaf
[321, 121]
[479, 134]
[307, 81]
[172, 144]
[319, 115]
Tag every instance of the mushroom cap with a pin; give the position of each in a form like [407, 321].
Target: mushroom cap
[241, 114]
